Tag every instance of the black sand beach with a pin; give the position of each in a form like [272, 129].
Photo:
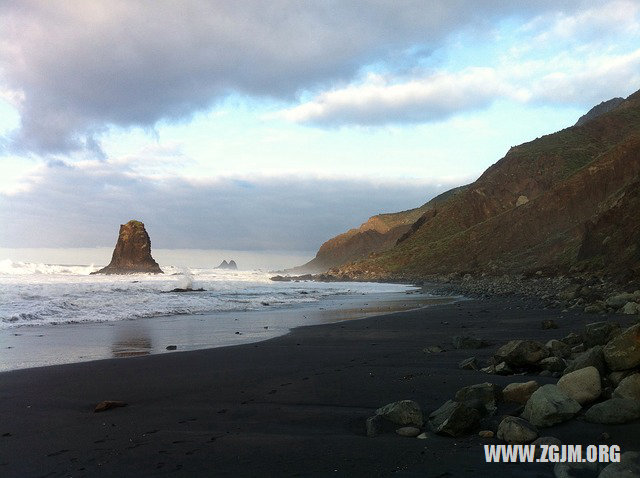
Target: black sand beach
[295, 405]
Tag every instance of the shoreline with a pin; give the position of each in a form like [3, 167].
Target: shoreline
[45, 345]
[292, 405]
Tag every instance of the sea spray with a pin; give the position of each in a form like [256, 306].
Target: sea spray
[185, 282]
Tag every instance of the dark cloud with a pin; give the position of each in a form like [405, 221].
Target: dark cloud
[82, 66]
[68, 206]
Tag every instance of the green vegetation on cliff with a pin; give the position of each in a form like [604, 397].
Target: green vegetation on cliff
[535, 209]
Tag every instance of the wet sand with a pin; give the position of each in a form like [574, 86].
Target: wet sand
[37, 346]
[294, 405]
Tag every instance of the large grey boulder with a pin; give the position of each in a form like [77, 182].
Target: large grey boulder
[519, 392]
[629, 387]
[486, 393]
[614, 410]
[549, 405]
[593, 357]
[521, 353]
[623, 352]
[404, 412]
[583, 385]
[454, 419]
[599, 333]
[516, 430]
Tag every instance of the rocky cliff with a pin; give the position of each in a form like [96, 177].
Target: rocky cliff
[132, 252]
[563, 203]
[379, 233]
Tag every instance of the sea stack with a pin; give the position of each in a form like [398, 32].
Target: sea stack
[132, 253]
[231, 265]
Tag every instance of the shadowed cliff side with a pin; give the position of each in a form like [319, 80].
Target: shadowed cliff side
[132, 252]
[563, 203]
[379, 233]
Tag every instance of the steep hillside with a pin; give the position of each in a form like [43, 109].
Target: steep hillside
[379, 233]
[564, 202]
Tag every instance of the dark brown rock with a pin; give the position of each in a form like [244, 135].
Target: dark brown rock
[132, 253]
[108, 404]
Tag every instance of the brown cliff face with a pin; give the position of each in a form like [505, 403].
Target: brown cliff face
[132, 253]
[379, 233]
[563, 203]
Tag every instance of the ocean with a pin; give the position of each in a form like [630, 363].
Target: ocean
[52, 313]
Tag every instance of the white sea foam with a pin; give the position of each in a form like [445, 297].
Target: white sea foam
[39, 294]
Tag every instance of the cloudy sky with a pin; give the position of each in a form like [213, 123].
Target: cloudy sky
[275, 125]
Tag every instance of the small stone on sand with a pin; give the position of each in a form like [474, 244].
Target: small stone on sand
[108, 404]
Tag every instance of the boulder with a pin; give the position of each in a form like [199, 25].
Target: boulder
[553, 364]
[519, 392]
[575, 470]
[464, 342]
[521, 353]
[595, 308]
[502, 369]
[410, 432]
[631, 308]
[627, 467]
[629, 387]
[614, 410]
[486, 434]
[454, 419]
[486, 393]
[618, 300]
[569, 293]
[599, 333]
[558, 348]
[583, 385]
[572, 339]
[549, 405]
[623, 352]
[516, 430]
[403, 412]
[616, 377]
[548, 324]
[589, 358]
[548, 441]
[374, 425]
[132, 253]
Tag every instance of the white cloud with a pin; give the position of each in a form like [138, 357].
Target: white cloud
[79, 67]
[620, 17]
[379, 100]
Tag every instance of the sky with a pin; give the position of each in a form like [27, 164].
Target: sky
[273, 126]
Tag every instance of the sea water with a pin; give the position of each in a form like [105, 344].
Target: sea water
[54, 314]
[45, 294]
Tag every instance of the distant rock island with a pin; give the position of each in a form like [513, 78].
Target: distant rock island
[132, 253]
[231, 265]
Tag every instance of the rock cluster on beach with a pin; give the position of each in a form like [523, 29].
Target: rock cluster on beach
[598, 372]
[132, 253]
